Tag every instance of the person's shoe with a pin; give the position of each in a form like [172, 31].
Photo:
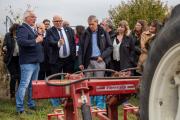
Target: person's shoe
[33, 108]
[21, 113]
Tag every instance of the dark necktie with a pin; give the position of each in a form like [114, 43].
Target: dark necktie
[64, 45]
[35, 31]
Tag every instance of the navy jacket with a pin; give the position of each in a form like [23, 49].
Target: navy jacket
[29, 51]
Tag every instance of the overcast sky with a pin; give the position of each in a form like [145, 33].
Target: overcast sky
[75, 11]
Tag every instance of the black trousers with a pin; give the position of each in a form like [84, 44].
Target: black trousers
[14, 70]
[63, 64]
[44, 71]
[115, 65]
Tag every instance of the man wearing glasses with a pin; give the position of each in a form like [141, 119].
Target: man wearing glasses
[62, 49]
[30, 55]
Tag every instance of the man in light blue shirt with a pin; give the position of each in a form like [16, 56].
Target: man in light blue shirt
[94, 52]
[95, 48]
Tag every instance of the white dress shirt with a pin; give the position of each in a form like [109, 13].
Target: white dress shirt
[116, 54]
[66, 43]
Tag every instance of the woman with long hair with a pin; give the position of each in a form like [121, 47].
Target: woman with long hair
[139, 28]
[147, 38]
[11, 57]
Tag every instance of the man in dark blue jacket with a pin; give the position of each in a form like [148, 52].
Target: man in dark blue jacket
[30, 55]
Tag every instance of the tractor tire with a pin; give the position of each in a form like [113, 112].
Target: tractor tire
[86, 112]
[159, 98]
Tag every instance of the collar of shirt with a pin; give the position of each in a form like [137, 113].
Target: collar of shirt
[32, 27]
[60, 28]
[94, 31]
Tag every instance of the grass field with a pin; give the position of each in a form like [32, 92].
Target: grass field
[7, 111]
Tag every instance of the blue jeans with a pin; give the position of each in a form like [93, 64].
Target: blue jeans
[98, 101]
[55, 102]
[29, 72]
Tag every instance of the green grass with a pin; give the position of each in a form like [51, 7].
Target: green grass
[8, 112]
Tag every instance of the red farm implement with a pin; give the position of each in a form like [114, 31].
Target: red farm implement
[76, 90]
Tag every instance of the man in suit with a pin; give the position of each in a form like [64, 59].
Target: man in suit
[62, 48]
[95, 48]
[30, 55]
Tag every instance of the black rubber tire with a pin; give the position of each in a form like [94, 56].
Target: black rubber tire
[166, 39]
[86, 112]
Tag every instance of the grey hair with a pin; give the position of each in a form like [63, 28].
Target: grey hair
[39, 24]
[92, 18]
[109, 23]
[27, 13]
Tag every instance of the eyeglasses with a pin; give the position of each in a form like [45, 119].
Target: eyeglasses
[32, 16]
[58, 21]
[40, 28]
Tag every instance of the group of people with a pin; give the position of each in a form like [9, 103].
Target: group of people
[33, 52]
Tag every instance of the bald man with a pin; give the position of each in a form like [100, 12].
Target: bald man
[62, 48]
[66, 23]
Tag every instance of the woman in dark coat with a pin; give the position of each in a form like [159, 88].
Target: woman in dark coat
[123, 48]
[11, 57]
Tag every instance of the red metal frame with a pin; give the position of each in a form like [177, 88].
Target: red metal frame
[130, 109]
[91, 87]
[97, 87]
[58, 113]
[99, 113]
